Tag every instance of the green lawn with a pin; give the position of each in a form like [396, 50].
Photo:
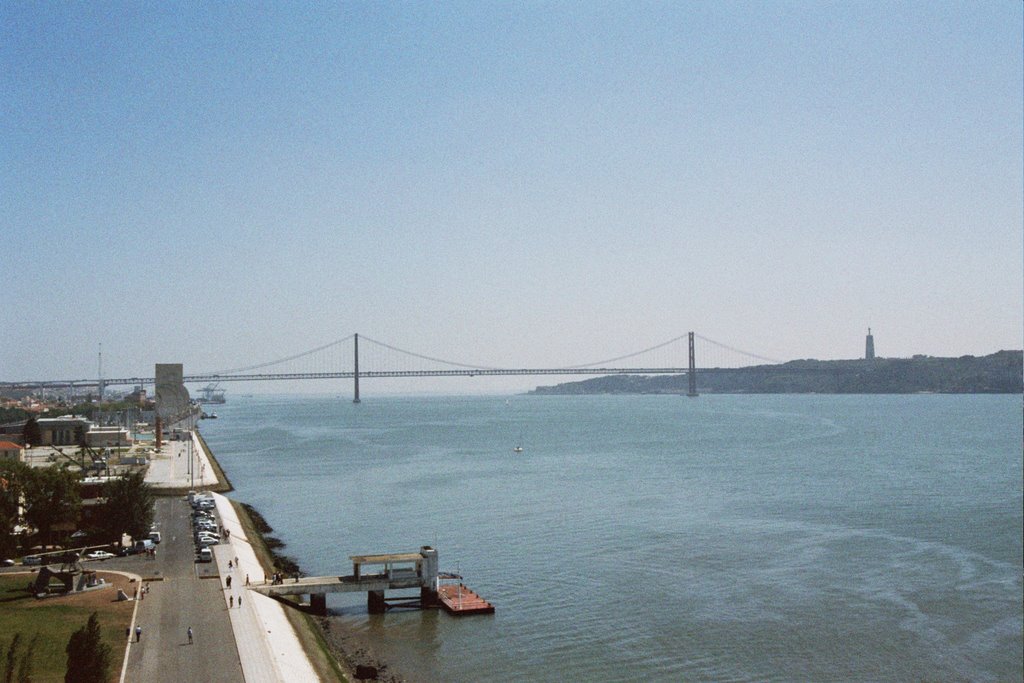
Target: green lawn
[55, 619]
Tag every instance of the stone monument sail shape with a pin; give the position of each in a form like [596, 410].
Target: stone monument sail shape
[172, 399]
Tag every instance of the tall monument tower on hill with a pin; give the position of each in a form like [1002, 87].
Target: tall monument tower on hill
[869, 346]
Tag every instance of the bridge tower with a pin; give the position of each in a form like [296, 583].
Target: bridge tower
[691, 375]
[356, 366]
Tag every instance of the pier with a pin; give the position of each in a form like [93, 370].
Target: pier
[377, 574]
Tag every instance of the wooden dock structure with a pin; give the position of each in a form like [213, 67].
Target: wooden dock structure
[391, 571]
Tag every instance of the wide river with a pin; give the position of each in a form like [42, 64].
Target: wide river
[661, 538]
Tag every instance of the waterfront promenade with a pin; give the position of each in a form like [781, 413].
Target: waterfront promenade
[268, 646]
[169, 468]
[256, 642]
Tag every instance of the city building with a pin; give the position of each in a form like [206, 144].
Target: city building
[12, 451]
[62, 431]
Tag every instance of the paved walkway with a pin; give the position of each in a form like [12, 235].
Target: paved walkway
[268, 646]
[169, 467]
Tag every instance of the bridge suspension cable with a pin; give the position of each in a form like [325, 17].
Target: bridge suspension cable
[430, 358]
[735, 350]
[284, 360]
[628, 355]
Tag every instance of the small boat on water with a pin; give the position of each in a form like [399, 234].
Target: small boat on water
[517, 449]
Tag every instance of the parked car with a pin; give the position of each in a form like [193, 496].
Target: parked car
[144, 545]
[99, 555]
[207, 540]
[7, 563]
[31, 560]
[154, 536]
[205, 555]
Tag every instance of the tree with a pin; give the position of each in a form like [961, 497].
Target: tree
[128, 507]
[51, 498]
[88, 655]
[12, 658]
[31, 432]
[25, 668]
[13, 476]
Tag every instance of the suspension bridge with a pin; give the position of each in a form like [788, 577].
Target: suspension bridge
[346, 359]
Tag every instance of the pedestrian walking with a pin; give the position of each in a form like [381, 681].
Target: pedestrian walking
[189, 635]
[228, 581]
[231, 601]
[229, 565]
[236, 560]
[239, 602]
[246, 579]
[138, 633]
[127, 632]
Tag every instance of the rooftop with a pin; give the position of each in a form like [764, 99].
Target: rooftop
[386, 558]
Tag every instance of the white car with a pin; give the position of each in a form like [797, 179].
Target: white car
[99, 555]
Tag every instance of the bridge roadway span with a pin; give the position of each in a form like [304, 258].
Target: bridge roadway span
[369, 374]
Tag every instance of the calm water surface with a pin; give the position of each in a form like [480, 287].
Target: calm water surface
[741, 538]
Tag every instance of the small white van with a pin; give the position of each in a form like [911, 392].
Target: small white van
[154, 536]
[205, 555]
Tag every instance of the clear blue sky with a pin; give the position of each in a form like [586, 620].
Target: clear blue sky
[518, 183]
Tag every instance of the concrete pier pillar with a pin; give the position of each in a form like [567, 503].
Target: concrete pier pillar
[318, 603]
[428, 576]
[375, 603]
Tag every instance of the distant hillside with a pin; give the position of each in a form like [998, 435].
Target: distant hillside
[998, 373]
